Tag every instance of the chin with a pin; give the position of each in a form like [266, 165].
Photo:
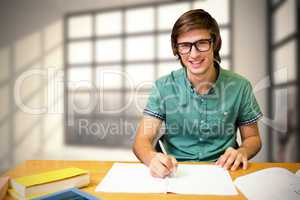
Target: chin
[198, 70]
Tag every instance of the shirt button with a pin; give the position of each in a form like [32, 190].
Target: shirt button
[200, 139]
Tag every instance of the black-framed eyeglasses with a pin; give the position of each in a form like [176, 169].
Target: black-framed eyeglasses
[201, 45]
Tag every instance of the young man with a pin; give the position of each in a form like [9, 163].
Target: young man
[202, 105]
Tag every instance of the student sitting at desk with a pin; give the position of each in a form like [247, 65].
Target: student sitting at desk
[201, 104]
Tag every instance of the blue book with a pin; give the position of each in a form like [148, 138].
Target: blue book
[69, 194]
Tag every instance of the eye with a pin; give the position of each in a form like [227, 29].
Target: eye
[184, 45]
[202, 42]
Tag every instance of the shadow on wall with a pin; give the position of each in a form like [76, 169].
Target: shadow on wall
[24, 87]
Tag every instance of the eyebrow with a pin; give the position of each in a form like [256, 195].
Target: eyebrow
[204, 39]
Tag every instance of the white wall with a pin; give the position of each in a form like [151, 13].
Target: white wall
[250, 48]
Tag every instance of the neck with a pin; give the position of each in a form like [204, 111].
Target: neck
[203, 82]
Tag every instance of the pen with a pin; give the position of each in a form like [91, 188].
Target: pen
[165, 152]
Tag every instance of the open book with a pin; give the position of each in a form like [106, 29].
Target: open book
[189, 179]
[270, 184]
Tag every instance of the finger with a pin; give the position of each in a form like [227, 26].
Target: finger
[236, 163]
[174, 163]
[153, 170]
[154, 174]
[226, 155]
[245, 162]
[161, 170]
[229, 161]
[158, 174]
[157, 167]
[167, 162]
[218, 161]
[222, 160]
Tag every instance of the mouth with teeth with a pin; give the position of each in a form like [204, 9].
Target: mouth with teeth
[196, 63]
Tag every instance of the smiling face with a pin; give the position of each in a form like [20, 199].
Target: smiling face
[197, 63]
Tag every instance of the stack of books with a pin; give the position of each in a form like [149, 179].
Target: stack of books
[33, 186]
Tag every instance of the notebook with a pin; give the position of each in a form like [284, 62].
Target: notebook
[189, 179]
[270, 184]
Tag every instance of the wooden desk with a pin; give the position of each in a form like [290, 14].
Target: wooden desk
[98, 169]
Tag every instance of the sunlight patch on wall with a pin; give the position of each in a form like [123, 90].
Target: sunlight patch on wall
[27, 51]
[53, 35]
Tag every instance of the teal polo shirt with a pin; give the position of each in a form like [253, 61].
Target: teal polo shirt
[202, 127]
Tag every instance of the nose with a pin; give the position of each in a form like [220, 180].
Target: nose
[194, 52]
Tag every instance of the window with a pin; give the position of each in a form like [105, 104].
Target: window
[113, 57]
[284, 90]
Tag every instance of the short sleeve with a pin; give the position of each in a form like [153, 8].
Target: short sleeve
[155, 105]
[249, 111]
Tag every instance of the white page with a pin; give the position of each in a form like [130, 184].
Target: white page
[270, 184]
[201, 179]
[131, 178]
[189, 179]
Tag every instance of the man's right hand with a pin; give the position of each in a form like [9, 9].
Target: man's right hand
[162, 165]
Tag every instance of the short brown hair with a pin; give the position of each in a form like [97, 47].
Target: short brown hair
[197, 19]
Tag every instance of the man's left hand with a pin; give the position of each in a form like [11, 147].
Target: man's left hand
[232, 158]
